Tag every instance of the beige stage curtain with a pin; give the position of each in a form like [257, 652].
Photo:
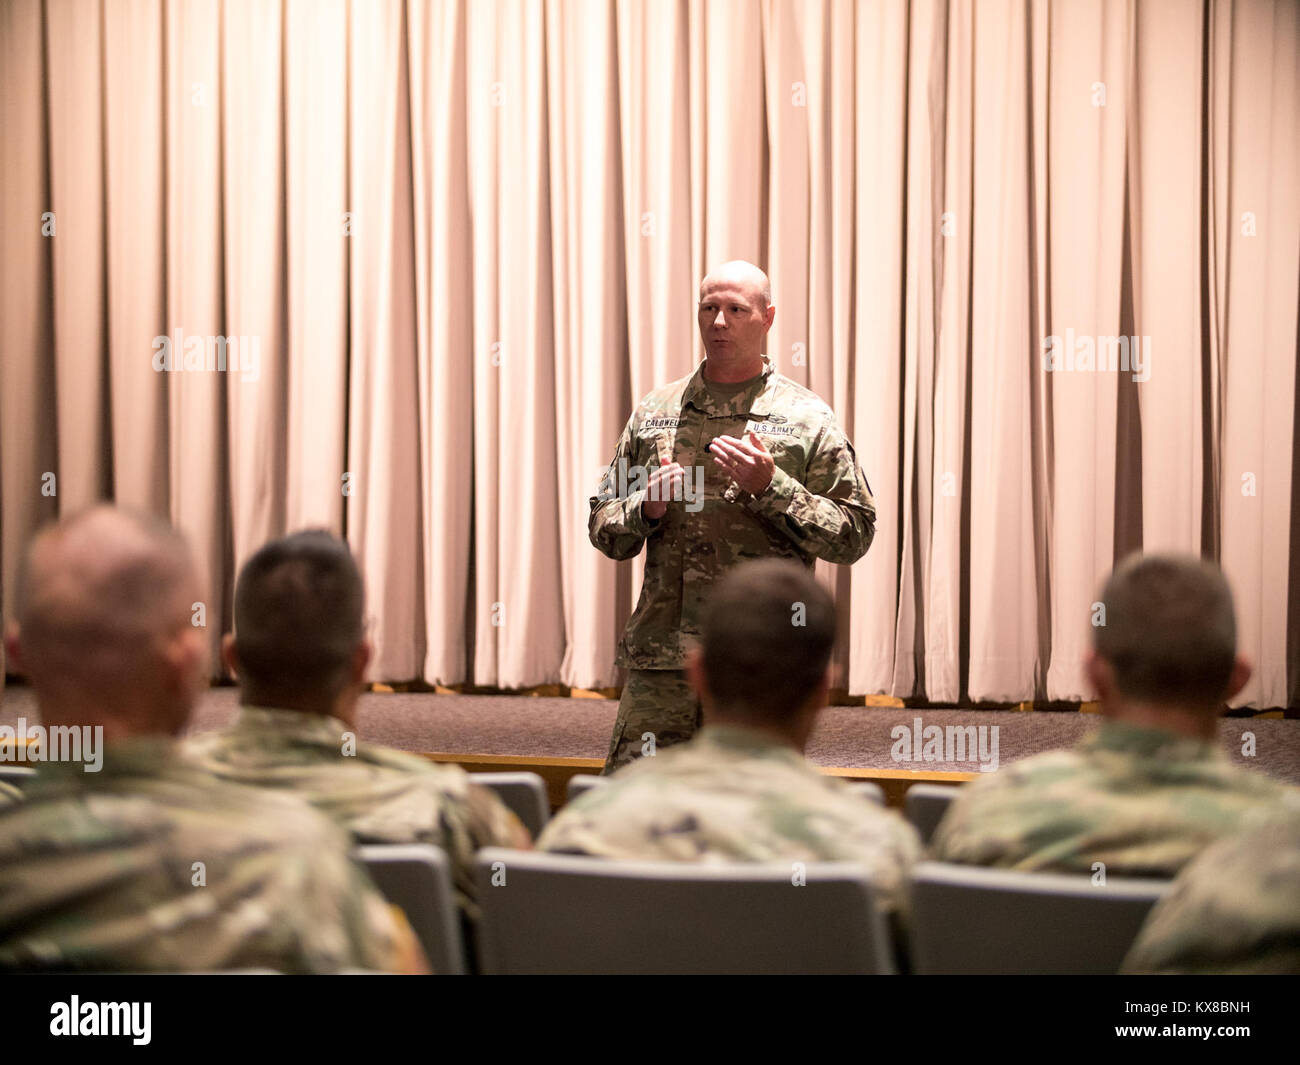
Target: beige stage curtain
[462, 238]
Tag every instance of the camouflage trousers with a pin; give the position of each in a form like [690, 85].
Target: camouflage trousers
[658, 709]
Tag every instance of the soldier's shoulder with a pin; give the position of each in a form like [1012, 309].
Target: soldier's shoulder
[791, 393]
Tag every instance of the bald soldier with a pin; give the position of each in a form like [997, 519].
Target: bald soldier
[300, 653]
[145, 862]
[734, 462]
[741, 790]
[1150, 789]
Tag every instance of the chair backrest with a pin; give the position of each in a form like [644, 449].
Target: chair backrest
[523, 793]
[925, 804]
[581, 783]
[17, 775]
[972, 919]
[869, 790]
[417, 878]
[558, 913]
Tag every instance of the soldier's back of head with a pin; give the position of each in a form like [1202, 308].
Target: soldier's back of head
[1150, 788]
[133, 858]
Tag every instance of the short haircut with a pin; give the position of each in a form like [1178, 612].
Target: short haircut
[96, 588]
[298, 615]
[1169, 630]
[767, 633]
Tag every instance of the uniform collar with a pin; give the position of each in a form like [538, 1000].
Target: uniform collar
[299, 724]
[748, 741]
[697, 393]
[1147, 742]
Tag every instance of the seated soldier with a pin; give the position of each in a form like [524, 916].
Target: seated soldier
[121, 855]
[1149, 789]
[740, 790]
[1234, 909]
[300, 654]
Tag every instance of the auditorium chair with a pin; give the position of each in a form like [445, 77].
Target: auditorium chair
[523, 793]
[558, 913]
[580, 782]
[416, 877]
[970, 919]
[924, 806]
[17, 775]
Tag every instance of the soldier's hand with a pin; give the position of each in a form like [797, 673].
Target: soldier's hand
[747, 462]
[663, 485]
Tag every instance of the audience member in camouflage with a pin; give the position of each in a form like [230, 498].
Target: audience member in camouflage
[1150, 789]
[1234, 909]
[378, 794]
[734, 462]
[300, 653]
[152, 865]
[1140, 801]
[147, 863]
[740, 790]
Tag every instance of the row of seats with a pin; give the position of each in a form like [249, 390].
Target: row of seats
[550, 913]
[555, 913]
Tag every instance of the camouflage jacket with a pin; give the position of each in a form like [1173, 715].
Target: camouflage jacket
[378, 794]
[733, 795]
[151, 865]
[1140, 801]
[818, 505]
[1234, 909]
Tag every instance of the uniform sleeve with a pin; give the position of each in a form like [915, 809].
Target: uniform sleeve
[832, 515]
[617, 527]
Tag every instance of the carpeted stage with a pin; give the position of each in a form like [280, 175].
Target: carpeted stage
[558, 737]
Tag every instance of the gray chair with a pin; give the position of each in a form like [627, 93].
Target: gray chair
[523, 793]
[969, 919]
[868, 790]
[17, 775]
[559, 913]
[580, 783]
[925, 804]
[417, 878]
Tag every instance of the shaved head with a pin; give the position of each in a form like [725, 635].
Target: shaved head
[741, 273]
[101, 601]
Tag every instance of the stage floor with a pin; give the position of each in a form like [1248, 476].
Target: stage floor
[847, 737]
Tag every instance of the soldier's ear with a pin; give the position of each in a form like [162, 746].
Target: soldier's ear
[1241, 671]
[361, 659]
[1100, 675]
[769, 315]
[695, 673]
[229, 656]
[13, 648]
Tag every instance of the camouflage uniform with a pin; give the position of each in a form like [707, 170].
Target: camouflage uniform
[97, 871]
[378, 794]
[818, 506]
[1141, 801]
[1234, 909]
[733, 795]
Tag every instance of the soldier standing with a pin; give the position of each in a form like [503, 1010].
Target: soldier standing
[739, 462]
